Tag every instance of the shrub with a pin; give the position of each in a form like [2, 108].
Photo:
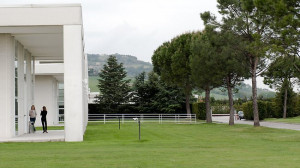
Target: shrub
[292, 109]
[199, 110]
[93, 108]
[262, 110]
[271, 109]
[220, 109]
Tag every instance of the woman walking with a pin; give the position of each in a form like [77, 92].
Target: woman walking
[44, 120]
[32, 115]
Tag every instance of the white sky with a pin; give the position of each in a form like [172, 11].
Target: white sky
[135, 27]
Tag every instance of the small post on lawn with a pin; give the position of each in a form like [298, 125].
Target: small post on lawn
[119, 123]
[139, 130]
[138, 120]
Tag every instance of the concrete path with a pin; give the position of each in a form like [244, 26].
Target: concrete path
[38, 136]
[225, 119]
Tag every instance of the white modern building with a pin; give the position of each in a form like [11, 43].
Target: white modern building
[41, 59]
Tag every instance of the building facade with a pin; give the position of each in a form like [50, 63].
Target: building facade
[41, 49]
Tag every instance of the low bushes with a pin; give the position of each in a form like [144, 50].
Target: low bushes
[102, 109]
[269, 109]
[220, 109]
[135, 109]
[265, 109]
[199, 110]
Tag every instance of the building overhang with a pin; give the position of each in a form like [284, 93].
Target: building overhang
[39, 28]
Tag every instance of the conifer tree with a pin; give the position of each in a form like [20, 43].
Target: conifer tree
[114, 89]
[205, 67]
[247, 19]
[281, 75]
[171, 61]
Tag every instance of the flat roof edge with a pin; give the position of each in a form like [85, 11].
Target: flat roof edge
[40, 5]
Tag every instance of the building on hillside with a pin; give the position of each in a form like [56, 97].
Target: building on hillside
[43, 63]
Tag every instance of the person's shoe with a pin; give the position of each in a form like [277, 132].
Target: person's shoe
[46, 132]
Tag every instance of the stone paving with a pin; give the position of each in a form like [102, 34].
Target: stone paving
[225, 119]
[38, 136]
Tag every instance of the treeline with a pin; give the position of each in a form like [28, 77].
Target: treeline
[148, 94]
[254, 37]
[132, 65]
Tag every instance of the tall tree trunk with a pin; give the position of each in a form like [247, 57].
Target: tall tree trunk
[207, 105]
[285, 102]
[187, 104]
[254, 92]
[230, 97]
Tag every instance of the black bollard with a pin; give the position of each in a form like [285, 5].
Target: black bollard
[139, 130]
[119, 122]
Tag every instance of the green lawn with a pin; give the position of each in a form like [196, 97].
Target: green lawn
[162, 146]
[50, 128]
[293, 120]
[93, 82]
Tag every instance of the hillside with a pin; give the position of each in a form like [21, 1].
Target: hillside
[132, 65]
[244, 91]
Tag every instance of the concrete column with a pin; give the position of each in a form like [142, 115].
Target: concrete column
[86, 91]
[33, 80]
[46, 95]
[55, 101]
[73, 83]
[28, 80]
[22, 111]
[27, 86]
[7, 86]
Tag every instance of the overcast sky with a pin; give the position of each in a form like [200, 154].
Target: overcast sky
[135, 27]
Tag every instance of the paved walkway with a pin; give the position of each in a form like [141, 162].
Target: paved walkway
[225, 119]
[38, 136]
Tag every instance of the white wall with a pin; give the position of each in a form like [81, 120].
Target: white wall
[7, 86]
[22, 112]
[45, 94]
[74, 83]
[53, 69]
[41, 15]
[45, 87]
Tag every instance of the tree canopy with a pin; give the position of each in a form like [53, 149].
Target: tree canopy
[155, 96]
[171, 60]
[205, 65]
[114, 89]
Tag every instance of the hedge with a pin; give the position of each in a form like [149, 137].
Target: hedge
[265, 109]
[220, 109]
[199, 110]
[135, 109]
[124, 108]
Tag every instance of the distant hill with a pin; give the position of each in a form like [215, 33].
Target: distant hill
[132, 65]
[244, 91]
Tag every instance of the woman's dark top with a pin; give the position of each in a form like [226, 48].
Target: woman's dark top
[43, 113]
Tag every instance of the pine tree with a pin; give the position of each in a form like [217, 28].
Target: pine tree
[281, 75]
[171, 61]
[144, 93]
[205, 67]
[114, 89]
[156, 96]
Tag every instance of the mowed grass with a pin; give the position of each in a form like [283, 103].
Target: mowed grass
[93, 82]
[162, 146]
[50, 128]
[292, 120]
